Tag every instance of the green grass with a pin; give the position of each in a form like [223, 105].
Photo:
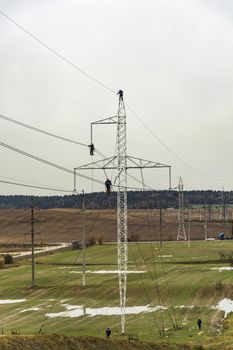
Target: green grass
[178, 284]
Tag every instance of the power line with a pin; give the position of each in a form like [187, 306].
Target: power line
[109, 89]
[54, 165]
[35, 157]
[35, 186]
[21, 181]
[164, 144]
[56, 136]
[17, 122]
[41, 131]
[57, 53]
[60, 167]
[98, 82]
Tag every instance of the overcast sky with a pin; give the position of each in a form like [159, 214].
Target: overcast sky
[172, 59]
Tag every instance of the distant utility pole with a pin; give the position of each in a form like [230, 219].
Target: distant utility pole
[222, 215]
[84, 239]
[189, 226]
[209, 206]
[32, 221]
[205, 222]
[200, 211]
[160, 227]
[181, 229]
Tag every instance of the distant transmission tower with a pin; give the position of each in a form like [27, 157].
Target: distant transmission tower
[121, 162]
[181, 229]
[222, 214]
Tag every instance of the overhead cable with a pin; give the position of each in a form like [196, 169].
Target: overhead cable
[164, 144]
[61, 138]
[35, 186]
[60, 167]
[57, 53]
[47, 133]
[109, 89]
[41, 131]
[54, 165]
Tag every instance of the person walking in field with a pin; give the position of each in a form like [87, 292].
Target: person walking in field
[199, 323]
[108, 332]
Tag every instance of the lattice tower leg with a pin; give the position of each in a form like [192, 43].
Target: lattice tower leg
[122, 207]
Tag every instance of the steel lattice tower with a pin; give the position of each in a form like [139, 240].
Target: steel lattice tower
[181, 229]
[121, 162]
[122, 206]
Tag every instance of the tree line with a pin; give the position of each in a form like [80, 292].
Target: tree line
[135, 199]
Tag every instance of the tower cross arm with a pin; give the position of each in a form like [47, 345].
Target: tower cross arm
[138, 163]
[132, 163]
[110, 120]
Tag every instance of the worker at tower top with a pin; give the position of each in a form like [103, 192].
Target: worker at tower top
[108, 185]
[120, 92]
[92, 148]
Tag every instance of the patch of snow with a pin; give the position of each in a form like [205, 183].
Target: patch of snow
[30, 309]
[11, 301]
[106, 271]
[224, 268]
[42, 249]
[225, 305]
[77, 311]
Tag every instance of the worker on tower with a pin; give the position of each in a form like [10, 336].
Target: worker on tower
[92, 148]
[120, 92]
[108, 185]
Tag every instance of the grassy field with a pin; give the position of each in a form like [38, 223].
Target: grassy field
[174, 276]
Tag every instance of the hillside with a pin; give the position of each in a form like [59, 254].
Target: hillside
[168, 289]
[56, 342]
[65, 225]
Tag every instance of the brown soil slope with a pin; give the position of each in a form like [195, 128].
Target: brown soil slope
[55, 342]
[65, 225]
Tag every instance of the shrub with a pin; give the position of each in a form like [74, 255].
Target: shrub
[100, 240]
[75, 245]
[1, 262]
[222, 254]
[227, 255]
[218, 285]
[91, 241]
[8, 259]
[134, 237]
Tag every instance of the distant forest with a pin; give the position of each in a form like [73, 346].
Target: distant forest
[136, 200]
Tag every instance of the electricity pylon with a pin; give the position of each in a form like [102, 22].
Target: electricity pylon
[181, 229]
[222, 214]
[121, 162]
